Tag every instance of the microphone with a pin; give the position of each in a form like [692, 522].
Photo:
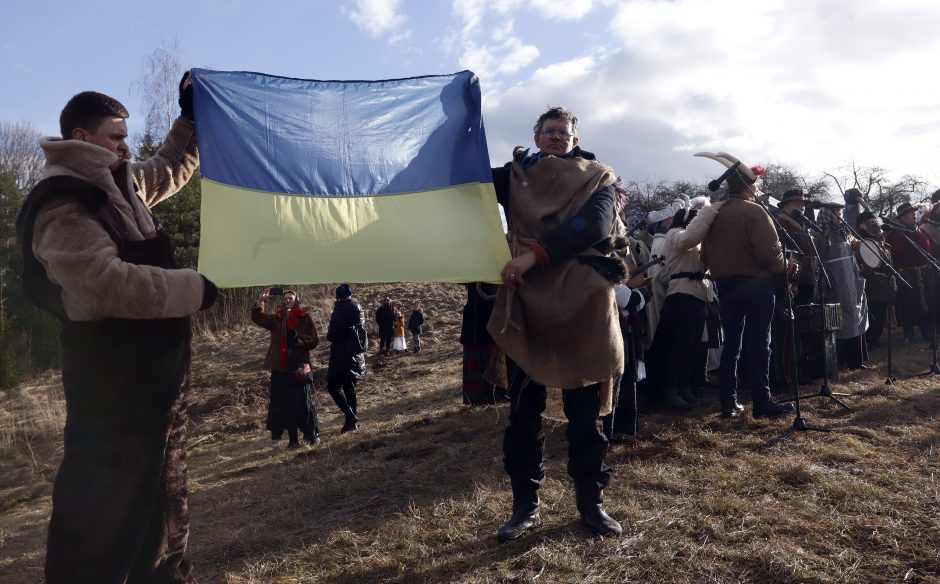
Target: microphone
[892, 224]
[805, 221]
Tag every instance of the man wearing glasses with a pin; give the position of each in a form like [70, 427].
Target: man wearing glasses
[555, 316]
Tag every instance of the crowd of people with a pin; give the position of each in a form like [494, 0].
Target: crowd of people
[581, 309]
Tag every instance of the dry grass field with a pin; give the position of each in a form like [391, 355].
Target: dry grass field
[417, 493]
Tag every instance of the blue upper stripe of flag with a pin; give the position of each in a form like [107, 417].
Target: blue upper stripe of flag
[300, 136]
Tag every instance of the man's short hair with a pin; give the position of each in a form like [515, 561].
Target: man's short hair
[557, 113]
[86, 110]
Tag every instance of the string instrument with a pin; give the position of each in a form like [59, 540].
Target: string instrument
[640, 269]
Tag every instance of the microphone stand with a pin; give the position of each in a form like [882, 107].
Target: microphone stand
[931, 309]
[824, 389]
[895, 276]
[799, 424]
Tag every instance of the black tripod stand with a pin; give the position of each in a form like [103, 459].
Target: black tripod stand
[890, 379]
[824, 285]
[799, 423]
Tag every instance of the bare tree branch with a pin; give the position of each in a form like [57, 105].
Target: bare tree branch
[159, 88]
[20, 154]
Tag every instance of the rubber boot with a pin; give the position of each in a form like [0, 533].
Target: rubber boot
[525, 511]
[731, 408]
[352, 422]
[590, 501]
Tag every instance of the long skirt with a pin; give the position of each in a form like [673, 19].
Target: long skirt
[477, 391]
[291, 406]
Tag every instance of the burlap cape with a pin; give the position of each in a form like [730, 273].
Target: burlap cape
[561, 326]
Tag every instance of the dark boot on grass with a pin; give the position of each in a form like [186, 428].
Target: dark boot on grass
[590, 500]
[525, 511]
[770, 408]
[352, 422]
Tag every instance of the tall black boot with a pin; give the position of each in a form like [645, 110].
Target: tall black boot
[590, 501]
[352, 422]
[525, 511]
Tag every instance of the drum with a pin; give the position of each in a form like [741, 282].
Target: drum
[870, 254]
[817, 318]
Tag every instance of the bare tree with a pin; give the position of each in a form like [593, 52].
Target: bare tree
[159, 88]
[880, 192]
[780, 178]
[20, 154]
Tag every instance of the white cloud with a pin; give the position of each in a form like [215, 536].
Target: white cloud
[489, 46]
[380, 18]
[809, 84]
[564, 10]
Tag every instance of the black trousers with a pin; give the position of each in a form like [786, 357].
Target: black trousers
[343, 392]
[385, 338]
[675, 354]
[524, 441]
[120, 510]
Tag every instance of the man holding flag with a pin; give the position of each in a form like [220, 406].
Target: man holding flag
[555, 317]
[96, 258]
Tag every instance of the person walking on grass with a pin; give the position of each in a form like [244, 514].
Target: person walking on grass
[347, 361]
[415, 326]
[384, 317]
[398, 329]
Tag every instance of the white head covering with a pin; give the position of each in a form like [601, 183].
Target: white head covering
[665, 213]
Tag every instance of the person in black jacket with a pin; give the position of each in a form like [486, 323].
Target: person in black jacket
[345, 367]
[415, 324]
[384, 317]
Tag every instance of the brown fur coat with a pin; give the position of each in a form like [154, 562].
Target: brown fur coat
[79, 255]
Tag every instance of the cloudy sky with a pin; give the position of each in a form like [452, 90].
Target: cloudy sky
[810, 83]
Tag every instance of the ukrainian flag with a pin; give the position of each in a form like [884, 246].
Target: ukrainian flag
[345, 181]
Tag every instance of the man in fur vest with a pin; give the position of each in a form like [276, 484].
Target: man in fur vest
[95, 257]
[555, 317]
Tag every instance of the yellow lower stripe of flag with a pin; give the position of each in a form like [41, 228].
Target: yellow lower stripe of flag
[255, 238]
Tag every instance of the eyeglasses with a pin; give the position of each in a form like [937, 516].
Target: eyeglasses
[563, 134]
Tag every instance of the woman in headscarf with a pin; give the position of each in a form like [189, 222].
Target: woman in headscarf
[293, 336]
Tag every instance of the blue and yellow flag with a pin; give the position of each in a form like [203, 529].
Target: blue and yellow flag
[345, 181]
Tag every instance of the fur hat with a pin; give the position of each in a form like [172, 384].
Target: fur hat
[699, 202]
[863, 217]
[343, 291]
